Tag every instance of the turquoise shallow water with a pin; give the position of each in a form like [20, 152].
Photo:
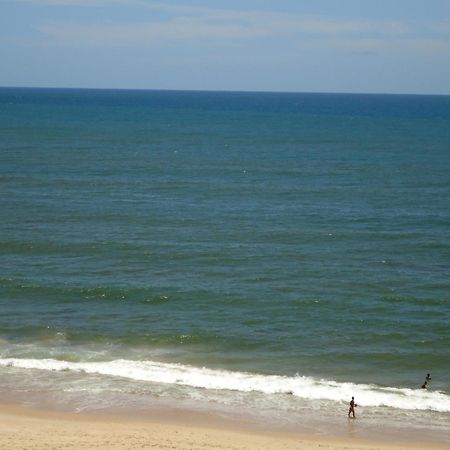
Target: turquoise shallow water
[294, 235]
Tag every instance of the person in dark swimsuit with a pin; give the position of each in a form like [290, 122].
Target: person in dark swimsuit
[427, 379]
[352, 407]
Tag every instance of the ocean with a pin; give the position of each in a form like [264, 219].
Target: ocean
[266, 255]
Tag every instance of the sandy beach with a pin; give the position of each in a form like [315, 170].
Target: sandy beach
[28, 429]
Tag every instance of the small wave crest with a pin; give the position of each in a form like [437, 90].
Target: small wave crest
[202, 377]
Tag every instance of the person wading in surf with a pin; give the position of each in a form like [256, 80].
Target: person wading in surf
[353, 405]
[427, 379]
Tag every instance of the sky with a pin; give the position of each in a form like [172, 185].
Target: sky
[367, 46]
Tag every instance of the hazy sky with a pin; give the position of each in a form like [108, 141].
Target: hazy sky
[397, 46]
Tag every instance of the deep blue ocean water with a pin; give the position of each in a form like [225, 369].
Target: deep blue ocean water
[188, 245]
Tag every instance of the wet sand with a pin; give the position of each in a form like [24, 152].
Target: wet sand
[28, 429]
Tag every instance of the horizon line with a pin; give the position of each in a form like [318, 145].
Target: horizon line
[231, 91]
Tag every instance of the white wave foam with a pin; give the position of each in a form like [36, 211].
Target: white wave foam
[201, 377]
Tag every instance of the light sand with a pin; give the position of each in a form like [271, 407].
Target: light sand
[26, 429]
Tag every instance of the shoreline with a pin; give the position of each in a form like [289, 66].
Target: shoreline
[26, 428]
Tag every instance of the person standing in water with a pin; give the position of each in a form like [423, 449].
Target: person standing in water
[427, 379]
[352, 407]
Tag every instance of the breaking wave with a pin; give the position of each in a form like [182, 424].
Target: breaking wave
[205, 378]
